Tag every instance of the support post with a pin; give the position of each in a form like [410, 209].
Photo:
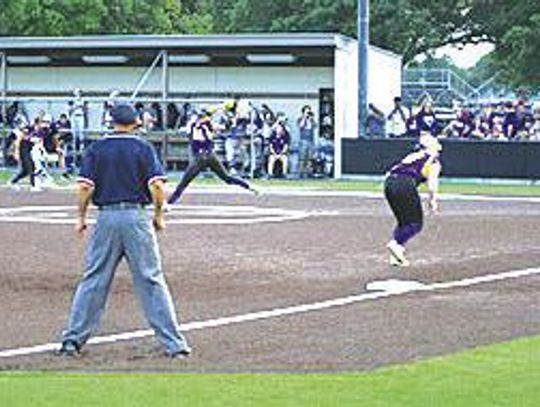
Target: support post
[3, 84]
[146, 75]
[363, 44]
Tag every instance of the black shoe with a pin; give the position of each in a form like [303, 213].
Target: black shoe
[183, 354]
[69, 348]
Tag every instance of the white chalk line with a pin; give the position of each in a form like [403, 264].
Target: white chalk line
[280, 312]
[184, 215]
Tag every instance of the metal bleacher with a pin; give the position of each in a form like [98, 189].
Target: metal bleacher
[443, 86]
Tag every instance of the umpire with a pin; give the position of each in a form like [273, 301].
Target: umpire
[121, 174]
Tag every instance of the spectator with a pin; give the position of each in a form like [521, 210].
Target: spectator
[306, 125]
[397, 120]
[279, 148]
[106, 119]
[511, 123]
[78, 117]
[426, 121]
[172, 116]
[66, 141]
[375, 122]
[157, 114]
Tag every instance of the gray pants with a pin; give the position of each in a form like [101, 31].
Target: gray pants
[120, 233]
[305, 153]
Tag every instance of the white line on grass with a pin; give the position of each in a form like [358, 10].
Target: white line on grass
[280, 312]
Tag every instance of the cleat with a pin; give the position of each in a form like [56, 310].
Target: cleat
[397, 254]
[396, 263]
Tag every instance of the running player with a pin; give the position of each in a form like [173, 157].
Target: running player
[400, 190]
[23, 155]
[201, 142]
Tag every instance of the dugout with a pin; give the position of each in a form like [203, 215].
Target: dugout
[285, 71]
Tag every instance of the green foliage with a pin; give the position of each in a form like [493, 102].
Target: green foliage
[407, 27]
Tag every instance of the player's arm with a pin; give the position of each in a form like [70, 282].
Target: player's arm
[433, 184]
[157, 190]
[85, 191]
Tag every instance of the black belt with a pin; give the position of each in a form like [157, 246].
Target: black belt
[121, 205]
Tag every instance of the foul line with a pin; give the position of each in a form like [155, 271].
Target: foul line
[279, 312]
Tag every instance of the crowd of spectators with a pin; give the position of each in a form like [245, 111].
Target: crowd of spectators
[501, 121]
[251, 140]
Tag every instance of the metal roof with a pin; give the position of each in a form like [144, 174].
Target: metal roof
[308, 49]
[171, 41]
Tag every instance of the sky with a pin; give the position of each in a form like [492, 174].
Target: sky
[466, 57]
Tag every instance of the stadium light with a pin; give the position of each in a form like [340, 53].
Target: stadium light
[271, 58]
[189, 59]
[105, 59]
[28, 59]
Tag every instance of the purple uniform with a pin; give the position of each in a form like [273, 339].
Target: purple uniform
[412, 166]
[279, 141]
[426, 121]
[201, 137]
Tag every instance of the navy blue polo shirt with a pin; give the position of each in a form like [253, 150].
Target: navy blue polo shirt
[121, 167]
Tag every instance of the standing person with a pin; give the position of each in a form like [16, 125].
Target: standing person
[306, 125]
[121, 175]
[397, 120]
[77, 116]
[23, 155]
[400, 190]
[201, 140]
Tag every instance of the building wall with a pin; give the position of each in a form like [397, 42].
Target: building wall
[284, 89]
[384, 80]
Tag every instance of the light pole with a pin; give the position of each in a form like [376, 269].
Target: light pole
[363, 44]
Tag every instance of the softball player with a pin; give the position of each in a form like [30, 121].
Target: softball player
[400, 190]
[202, 148]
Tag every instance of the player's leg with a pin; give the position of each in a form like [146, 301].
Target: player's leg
[217, 167]
[103, 253]
[142, 254]
[193, 169]
[404, 200]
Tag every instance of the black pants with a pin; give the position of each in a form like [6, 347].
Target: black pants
[26, 169]
[404, 200]
[199, 164]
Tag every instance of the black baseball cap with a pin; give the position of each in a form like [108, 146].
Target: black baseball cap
[123, 114]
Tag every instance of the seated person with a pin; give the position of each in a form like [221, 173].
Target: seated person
[279, 148]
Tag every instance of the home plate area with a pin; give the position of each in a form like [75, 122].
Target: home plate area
[184, 214]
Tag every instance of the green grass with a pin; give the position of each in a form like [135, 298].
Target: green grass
[500, 375]
[370, 186]
[464, 187]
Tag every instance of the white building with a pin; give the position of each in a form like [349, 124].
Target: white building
[285, 71]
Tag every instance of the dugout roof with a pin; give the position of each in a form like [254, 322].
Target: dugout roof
[301, 49]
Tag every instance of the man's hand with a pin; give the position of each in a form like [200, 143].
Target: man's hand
[157, 189]
[81, 227]
[159, 222]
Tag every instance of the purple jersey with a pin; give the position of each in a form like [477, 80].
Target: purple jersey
[426, 121]
[48, 135]
[201, 137]
[279, 141]
[412, 166]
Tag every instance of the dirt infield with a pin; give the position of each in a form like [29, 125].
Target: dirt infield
[230, 255]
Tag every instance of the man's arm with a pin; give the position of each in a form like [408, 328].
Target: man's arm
[84, 194]
[157, 190]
